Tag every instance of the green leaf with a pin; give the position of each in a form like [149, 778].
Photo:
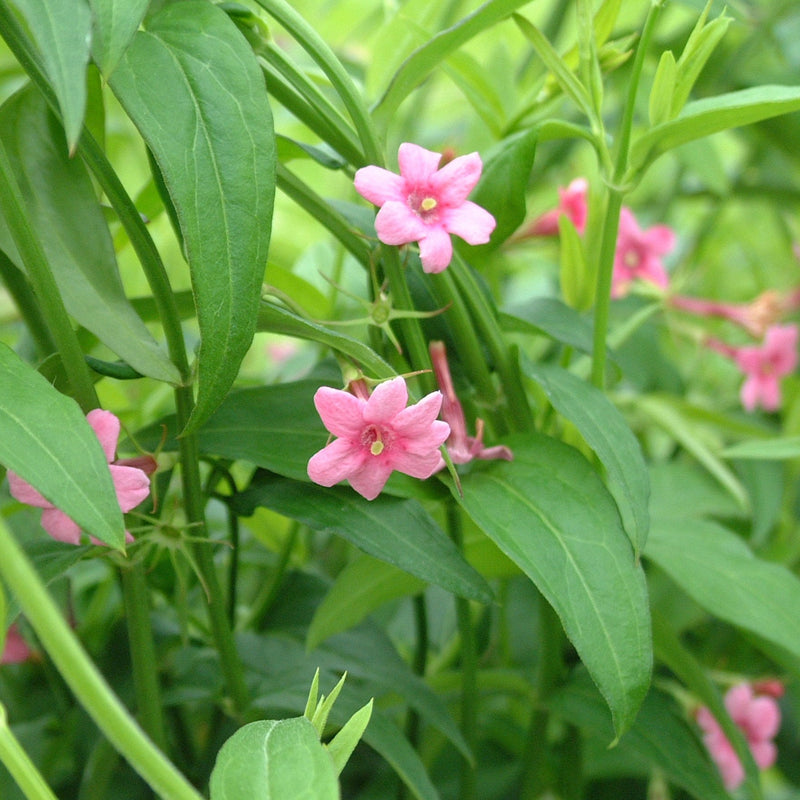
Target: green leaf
[659, 738]
[550, 513]
[711, 115]
[61, 32]
[607, 433]
[273, 760]
[577, 285]
[660, 106]
[504, 184]
[392, 529]
[778, 449]
[45, 439]
[716, 568]
[192, 78]
[426, 58]
[114, 25]
[342, 745]
[62, 203]
[552, 317]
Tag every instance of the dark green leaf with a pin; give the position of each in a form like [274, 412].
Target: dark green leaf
[550, 513]
[552, 317]
[74, 235]
[45, 439]
[194, 89]
[392, 529]
[607, 433]
[114, 25]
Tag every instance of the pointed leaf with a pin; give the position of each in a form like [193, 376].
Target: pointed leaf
[392, 529]
[192, 78]
[274, 759]
[74, 235]
[607, 433]
[342, 745]
[61, 31]
[778, 449]
[46, 440]
[114, 25]
[550, 316]
[550, 513]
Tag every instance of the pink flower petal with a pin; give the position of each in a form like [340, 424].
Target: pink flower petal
[469, 221]
[417, 165]
[780, 347]
[379, 185]
[386, 401]
[371, 478]
[750, 393]
[341, 412]
[336, 462]
[21, 490]
[16, 650]
[435, 250]
[106, 428]
[396, 223]
[418, 465]
[763, 718]
[434, 437]
[454, 181]
[652, 270]
[416, 420]
[765, 754]
[60, 526]
[659, 239]
[131, 485]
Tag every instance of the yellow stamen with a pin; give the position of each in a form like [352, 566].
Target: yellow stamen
[376, 448]
[428, 204]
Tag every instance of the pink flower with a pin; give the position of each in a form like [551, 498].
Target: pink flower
[425, 204]
[764, 365]
[377, 434]
[755, 317]
[638, 254]
[461, 447]
[572, 202]
[16, 649]
[759, 718]
[130, 482]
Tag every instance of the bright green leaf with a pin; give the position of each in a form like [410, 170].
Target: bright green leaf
[342, 745]
[191, 77]
[45, 439]
[75, 238]
[61, 32]
[550, 316]
[777, 449]
[114, 25]
[607, 433]
[577, 285]
[273, 760]
[660, 106]
[550, 513]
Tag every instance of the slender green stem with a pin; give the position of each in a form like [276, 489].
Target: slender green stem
[469, 664]
[535, 773]
[44, 285]
[16, 760]
[149, 708]
[82, 675]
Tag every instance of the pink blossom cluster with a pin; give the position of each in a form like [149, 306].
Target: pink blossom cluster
[130, 477]
[758, 716]
[638, 254]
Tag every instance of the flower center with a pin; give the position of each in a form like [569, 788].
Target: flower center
[424, 206]
[375, 439]
[632, 259]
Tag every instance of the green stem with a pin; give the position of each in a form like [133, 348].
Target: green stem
[149, 708]
[16, 760]
[44, 285]
[535, 772]
[83, 677]
[469, 665]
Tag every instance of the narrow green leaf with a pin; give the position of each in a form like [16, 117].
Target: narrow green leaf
[577, 285]
[191, 77]
[661, 737]
[711, 115]
[274, 759]
[74, 236]
[426, 58]
[114, 25]
[45, 439]
[319, 719]
[550, 513]
[778, 449]
[504, 185]
[660, 104]
[716, 568]
[550, 316]
[392, 529]
[342, 745]
[61, 31]
[607, 433]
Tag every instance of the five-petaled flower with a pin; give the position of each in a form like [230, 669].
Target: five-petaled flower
[425, 204]
[759, 718]
[638, 254]
[765, 364]
[377, 434]
[131, 482]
